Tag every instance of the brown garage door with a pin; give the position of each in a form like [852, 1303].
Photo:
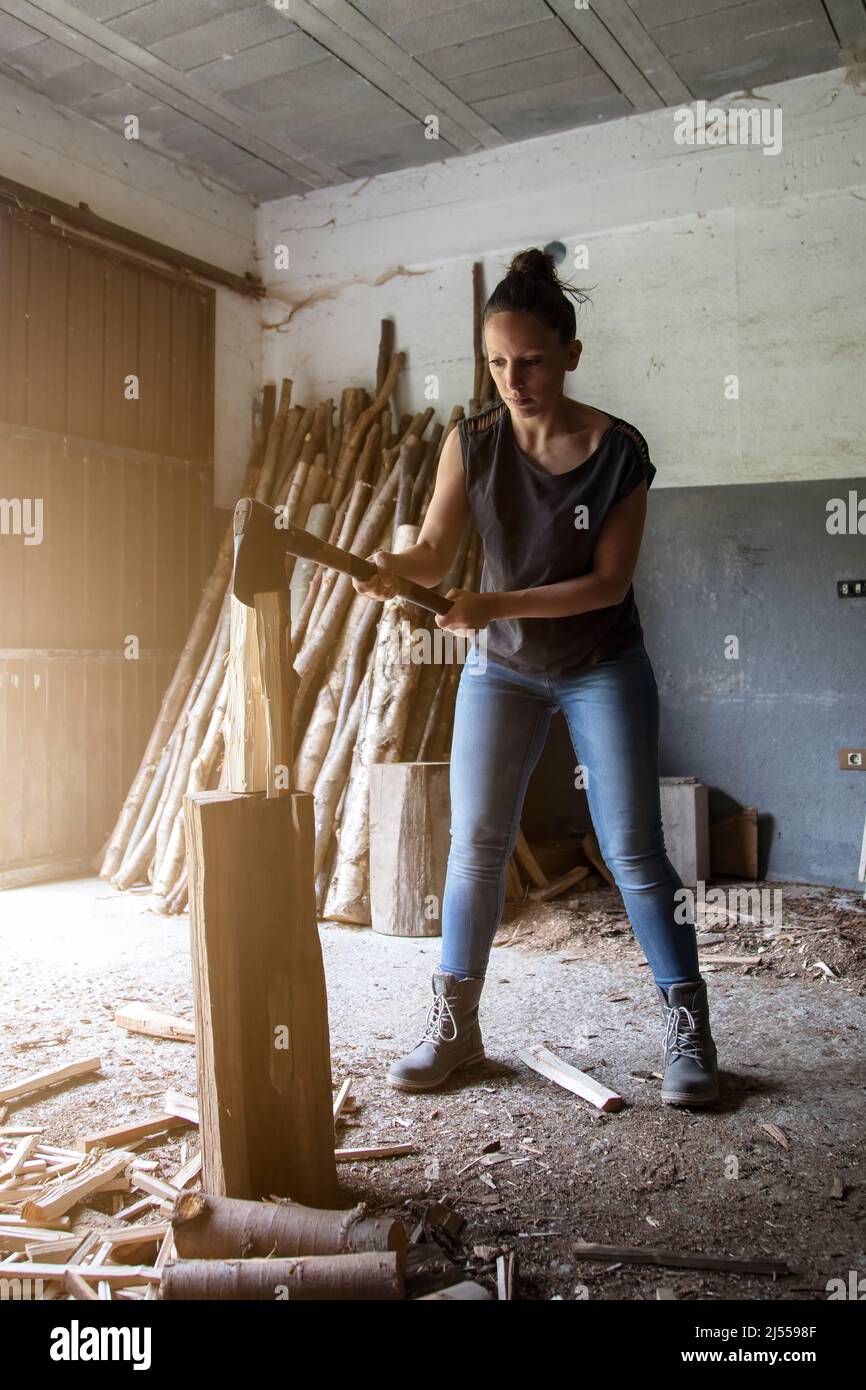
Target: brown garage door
[106, 526]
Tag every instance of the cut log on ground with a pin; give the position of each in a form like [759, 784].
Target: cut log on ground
[369, 1276]
[214, 1228]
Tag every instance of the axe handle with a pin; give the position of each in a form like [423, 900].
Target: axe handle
[347, 563]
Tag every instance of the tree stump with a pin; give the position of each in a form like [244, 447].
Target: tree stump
[263, 1048]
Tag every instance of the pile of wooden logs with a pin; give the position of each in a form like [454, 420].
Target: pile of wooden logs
[230, 1249]
[363, 483]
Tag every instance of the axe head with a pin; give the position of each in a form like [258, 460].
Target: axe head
[260, 551]
[263, 539]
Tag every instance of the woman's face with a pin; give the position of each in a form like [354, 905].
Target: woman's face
[528, 362]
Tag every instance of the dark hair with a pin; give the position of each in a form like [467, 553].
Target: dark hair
[532, 286]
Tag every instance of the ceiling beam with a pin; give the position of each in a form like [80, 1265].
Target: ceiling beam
[349, 35]
[612, 34]
[97, 43]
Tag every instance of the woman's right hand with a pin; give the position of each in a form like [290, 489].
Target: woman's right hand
[382, 585]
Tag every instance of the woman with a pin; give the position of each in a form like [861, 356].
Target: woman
[558, 490]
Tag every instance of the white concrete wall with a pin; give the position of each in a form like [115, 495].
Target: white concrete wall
[705, 262]
[61, 154]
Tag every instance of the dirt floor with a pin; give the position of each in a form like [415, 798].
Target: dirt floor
[777, 1169]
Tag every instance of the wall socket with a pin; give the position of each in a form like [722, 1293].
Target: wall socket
[852, 759]
[851, 588]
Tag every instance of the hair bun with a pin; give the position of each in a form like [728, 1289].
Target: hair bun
[536, 265]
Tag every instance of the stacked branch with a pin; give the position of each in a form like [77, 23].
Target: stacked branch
[362, 481]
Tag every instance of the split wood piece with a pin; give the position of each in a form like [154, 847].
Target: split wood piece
[22, 1237]
[279, 686]
[342, 1096]
[126, 1134]
[635, 1254]
[590, 846]
[97, 1170]
[393, 683]
[559, 885]
[115, 1275]
[734, 844]
[263, 1062]
[185, 1107]
[187, 1172]
[383, 1151]
[376, 1275]
[542, 1060]
[17, 1159]
[244, 727]
[528, 862]
[155, 1187]
[134, 1235]
[41, 1080]
[216, 1228]
[731, 960]
[142, 1018]
[78, 1287]
[409, 812]
[506, 1268]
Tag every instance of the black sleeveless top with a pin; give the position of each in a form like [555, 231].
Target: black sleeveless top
[540, 528]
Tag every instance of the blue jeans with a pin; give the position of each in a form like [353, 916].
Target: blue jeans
[500, 727]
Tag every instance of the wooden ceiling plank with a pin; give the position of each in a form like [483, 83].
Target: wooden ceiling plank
[59, 20]
[351, 36]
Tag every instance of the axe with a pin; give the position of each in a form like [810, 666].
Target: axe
[261, 547]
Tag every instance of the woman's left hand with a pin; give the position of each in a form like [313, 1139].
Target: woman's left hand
[468, 612]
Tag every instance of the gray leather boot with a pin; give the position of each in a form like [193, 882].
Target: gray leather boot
[691, 1076]
[452, 1037]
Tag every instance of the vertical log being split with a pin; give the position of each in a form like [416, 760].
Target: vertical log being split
[263, 1059]
[279, 683]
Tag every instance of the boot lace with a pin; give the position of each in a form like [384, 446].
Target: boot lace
[439, 1018]
[682, 1035]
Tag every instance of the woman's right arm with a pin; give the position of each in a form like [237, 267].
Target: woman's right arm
[431, 557]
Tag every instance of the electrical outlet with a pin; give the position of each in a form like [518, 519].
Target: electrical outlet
[851, 588]
[852, 759]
